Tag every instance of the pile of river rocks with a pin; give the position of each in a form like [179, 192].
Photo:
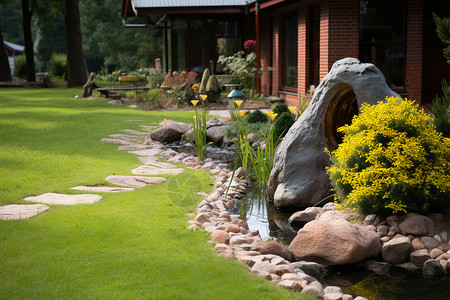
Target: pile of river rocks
[233, 238]
[411, 241]
[329, 237]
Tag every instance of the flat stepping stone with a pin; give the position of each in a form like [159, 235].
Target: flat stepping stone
[102, 189]
[135, 132]
[133, 147]
[126, 137]
[154, 161]
[146, 159]
[146, 152]
[134, 181]
[62, 199]
[116, 141]
[21, 211]
[148, 128]
[159, 164]
[149, 170]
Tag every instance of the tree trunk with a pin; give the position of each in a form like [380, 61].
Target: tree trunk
[76, 70]
[28, 39]
[5, 70]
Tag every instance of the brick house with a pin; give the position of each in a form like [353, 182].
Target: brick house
[302, 39]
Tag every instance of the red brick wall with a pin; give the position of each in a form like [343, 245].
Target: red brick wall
[339, 28]
[276, 60]
[413, 74]
[266, 51]
[302, 49]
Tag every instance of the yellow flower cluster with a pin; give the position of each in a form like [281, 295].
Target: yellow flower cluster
[391, 159]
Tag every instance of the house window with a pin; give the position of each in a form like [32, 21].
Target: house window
[382, 38]
[290, 50]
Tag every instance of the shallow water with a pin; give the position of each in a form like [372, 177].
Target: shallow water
[398, 283]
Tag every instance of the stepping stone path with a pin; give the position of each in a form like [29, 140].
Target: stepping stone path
[134, 181]
[102, 189]
[133, 147]
[21, 211]
[130, 141]
[149, 170]
[146, 152]
[62, 199]
[151, 160]
[134, 132]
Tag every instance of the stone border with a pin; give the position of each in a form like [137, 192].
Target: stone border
[234, 240]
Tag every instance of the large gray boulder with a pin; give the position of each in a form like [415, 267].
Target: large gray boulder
[298, 177]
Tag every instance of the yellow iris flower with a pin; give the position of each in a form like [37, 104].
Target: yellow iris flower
[271, 115]
[238, 103]
[292, 109]
[243, 112]
[194, 102]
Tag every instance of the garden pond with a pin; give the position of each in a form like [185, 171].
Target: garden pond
[272, 224]
[398, 283]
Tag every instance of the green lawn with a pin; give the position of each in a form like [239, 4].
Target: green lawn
[132, 245]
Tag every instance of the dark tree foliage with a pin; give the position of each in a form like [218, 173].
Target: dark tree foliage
[5, 71]
[441, 105]
[11, 21]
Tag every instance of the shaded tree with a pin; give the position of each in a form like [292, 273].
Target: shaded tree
[76, 69]
[27, 13]
[107, 42]
[5, 70]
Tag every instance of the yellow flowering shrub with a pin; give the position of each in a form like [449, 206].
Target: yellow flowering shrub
[391, 160]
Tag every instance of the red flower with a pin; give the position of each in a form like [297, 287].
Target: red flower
[249, 45]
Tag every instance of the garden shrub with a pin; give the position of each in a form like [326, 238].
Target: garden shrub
[58, 65]
[257, 116]
[261, 130]
[441, 111]
[282, 124]
[391, 160]
[20, 66]
[280, 108]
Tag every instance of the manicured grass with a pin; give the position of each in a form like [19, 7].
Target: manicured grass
[132, 245]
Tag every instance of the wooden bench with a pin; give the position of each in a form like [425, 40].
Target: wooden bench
[114, 91]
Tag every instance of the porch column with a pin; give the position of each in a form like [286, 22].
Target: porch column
[258, 52]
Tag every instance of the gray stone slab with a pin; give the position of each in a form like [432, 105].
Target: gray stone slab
[150, 170]
[62, 199]
[146, 152]
[146, 159]
[161, 164]
[116, 141]
[135, 132]
[126, 137]
[133, 147]
[21, 211]
[134, 181]
[154, 161]
[102, 189]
